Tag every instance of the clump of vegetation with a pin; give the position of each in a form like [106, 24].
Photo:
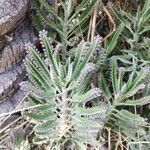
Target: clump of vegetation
[62, 91]
[66, 21]
[89, 94]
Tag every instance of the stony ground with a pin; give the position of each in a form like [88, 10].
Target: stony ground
[15, 32]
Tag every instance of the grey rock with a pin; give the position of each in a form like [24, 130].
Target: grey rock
[11, 12]
[9, 81]
[14, 51]
[11, 104]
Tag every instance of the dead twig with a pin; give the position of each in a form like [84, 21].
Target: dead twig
[104, 8]
[94, 24]
[89, 30]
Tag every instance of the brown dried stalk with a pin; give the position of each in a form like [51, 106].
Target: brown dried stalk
[111, 21]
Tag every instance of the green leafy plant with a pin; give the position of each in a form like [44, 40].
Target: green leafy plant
[127, 89]
[136, 30]
[123, 96]
[82, 95]
[62, 90]
[19, 140]
[67, 22]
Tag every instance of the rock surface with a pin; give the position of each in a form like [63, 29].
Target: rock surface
[15, 31]
[12, 52]
[10, 104]
[11, 12]
[9, 81]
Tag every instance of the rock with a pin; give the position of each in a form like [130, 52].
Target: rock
[11, 12]
[10, 104]
[9, 81]
[14, 51]
[6, 106]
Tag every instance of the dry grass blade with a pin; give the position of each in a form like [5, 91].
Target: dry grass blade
[93, 24]
[14, 109]
[111, 21]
